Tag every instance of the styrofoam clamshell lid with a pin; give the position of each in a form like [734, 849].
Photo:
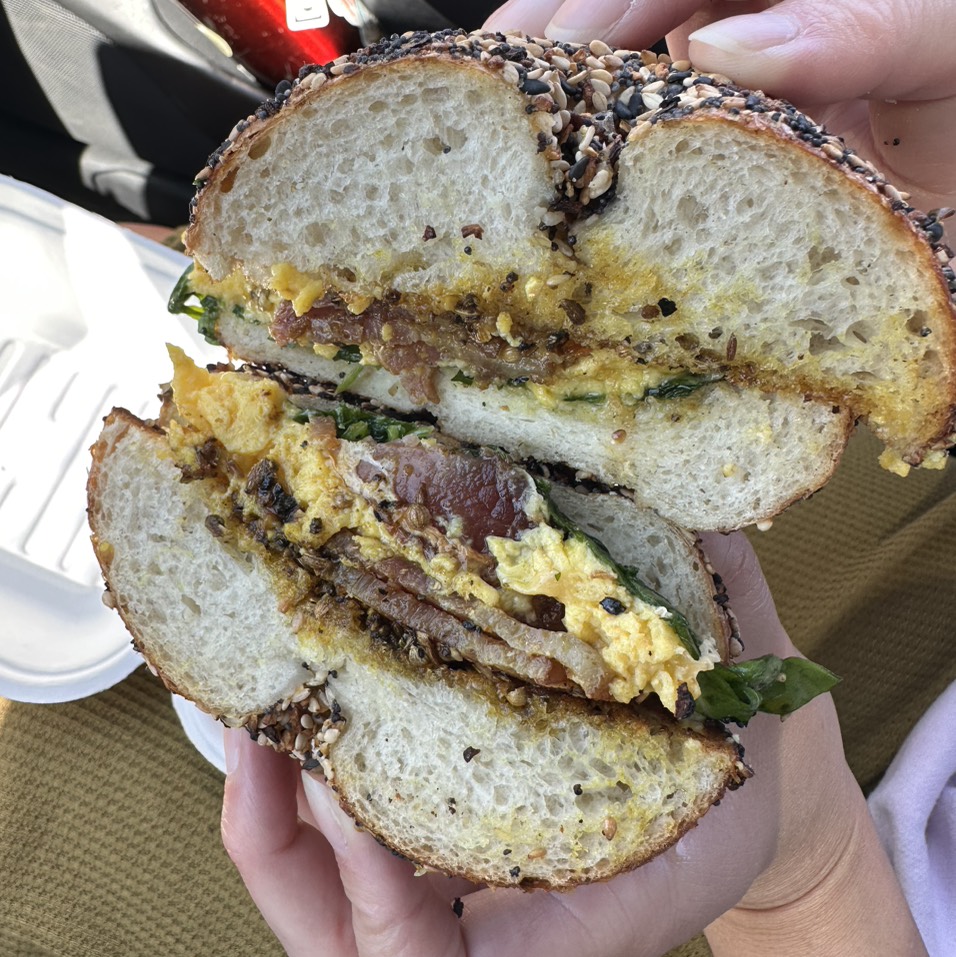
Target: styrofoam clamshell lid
[83, 328]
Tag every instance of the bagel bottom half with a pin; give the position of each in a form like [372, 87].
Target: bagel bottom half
[456, 768]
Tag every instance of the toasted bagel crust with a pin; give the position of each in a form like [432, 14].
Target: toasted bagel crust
[458, 770]
[592, 206]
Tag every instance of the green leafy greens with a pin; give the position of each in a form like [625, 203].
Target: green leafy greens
[348, 354]
[626, 576]
[354, 424]
[183, 300]
[677, 387]
[591, 398]
[681, 385]
[736, 692]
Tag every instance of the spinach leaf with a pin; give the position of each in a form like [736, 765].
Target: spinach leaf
[354, 424]
[348, 354]
[592, 398]
[204, 309]
[736, 692]
[628, 577]
[682, 385]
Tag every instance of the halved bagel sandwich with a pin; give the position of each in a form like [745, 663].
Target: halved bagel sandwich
[506, 321]
[503, 676]
[587, 256]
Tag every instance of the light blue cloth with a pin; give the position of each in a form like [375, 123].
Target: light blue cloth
[914, 807]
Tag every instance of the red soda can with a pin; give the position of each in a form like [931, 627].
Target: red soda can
[272, 39]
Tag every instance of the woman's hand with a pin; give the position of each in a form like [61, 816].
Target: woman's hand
[881, 73]
[327, 888]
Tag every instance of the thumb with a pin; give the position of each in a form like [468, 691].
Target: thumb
[748, 593]
[817, 52]
[393, 912]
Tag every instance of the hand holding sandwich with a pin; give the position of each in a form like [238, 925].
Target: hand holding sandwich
[799, 837]
[411, 609]
[882, 75]
[788, 850]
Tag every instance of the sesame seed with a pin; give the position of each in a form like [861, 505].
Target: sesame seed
[601, 182]
[517, 697]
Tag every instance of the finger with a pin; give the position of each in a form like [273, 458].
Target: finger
[916, 145]
[748, 593]
[394, 913]
[677, 43]
[631, 23]
[630, 916]
[634, 25]
[526, 16]
[818, 52]
[287, 867]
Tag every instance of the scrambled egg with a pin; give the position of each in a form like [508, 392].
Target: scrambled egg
[634, 639]
[248, 416]
[296, 287]
[589, 376]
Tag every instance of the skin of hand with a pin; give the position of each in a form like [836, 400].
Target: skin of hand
[796, 830]
[881, 73]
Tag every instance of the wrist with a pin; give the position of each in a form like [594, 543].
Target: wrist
[842, 899]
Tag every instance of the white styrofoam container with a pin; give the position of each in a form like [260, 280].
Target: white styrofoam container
[83, 328]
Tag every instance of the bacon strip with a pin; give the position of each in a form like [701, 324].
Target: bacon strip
[401, 591]
[450, 638]
[582, 663]
[412, 348]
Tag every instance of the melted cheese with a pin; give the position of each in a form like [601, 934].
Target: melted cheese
[248, 416]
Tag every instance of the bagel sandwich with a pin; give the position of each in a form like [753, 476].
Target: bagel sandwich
[503, 675]
[586, 256]
[507, 322]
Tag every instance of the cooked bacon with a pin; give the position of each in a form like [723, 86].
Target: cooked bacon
[450, 638]
[583, 664]
[473, 629]
[479, 495]
[412, 347]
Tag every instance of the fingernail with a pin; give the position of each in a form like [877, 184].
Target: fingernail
[329, 816]
[748, 34]
[231, 748]
[510, 16]
[561, 30]
[579, 23]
